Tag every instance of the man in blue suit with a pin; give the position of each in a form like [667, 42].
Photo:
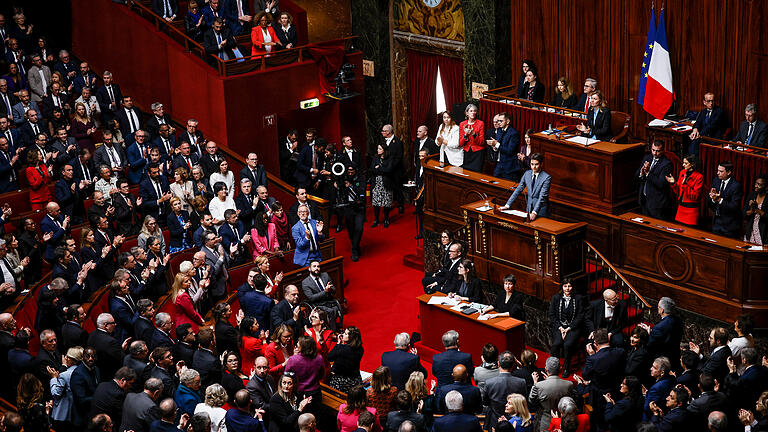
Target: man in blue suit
[137, 154]
[752, 131]
[744, 390]
[254, 171]
[660, 389]
[655, 194]
[710, 122]
[444, 362]
[122, 308]
[306, 165]
[676, 417]
[604, 370]
[664, 338]
[307, 234]
[725, 202]
[456, 420]
[20, 109]
[9, 179]
[86, 78]
[402, 363]
[506, 142]
[83, 382]
[58, 225]
[253, 301]
[233, 232]
[155, 193]
[473, 402]
[537, 183]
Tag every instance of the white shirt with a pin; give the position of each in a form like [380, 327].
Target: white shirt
[608, 311]
[7, 273]
[451, 150]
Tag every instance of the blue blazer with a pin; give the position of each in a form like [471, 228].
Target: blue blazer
[47, 225]
[473, 402]
[149, 195]
[657, 393]
[137, 162]
[714, 126]
[6, 170]
[255, 304]
[665, 337]
[538, 199]
[124, 317]
[178, 233]
[78, 82]
[158, 142]
[444, 362]
[160, 339]
[457, 422]
[508, 164]
[228, 236]
[401, 363]
[303, 165]
[600, 127]
[18, 114]
[303, 256]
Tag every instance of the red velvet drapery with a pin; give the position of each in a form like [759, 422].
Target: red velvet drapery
[452, 75]
[422, 75]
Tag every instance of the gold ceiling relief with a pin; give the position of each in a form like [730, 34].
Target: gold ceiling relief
[437, 18]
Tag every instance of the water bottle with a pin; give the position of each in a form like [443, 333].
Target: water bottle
[549, 128]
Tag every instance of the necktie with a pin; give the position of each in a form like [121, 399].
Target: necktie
[533, 182]
[722, 185]
[312, 244]
[749, 134]
[7, 102]
[167, 146]
[56, 100]
[128, 298]
[255, 177]
[112, 156]
[35, 128]
[319, 284]
[130, 119]
[9, 135]
[167, 6]
[159, 195]
[653, 164]
[42, 77]
[237, 235]
[111, 95]
[86, 174]
[189, 164]
[13, 171]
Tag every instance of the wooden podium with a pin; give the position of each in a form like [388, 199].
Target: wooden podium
[540, 253]
[506, 333]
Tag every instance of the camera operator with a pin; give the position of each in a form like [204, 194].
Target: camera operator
[350, 202]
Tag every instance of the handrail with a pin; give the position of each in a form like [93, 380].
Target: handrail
[234, 66]
[758, 151]
[617, 273]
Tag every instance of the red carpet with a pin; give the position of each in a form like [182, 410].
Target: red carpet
[381, 291]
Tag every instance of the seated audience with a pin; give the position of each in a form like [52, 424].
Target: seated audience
[752, 130]
[564, 96]
[598, 119]
[468, 285]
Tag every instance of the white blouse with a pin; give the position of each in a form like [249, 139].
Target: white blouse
[450, 148]
[229, 180]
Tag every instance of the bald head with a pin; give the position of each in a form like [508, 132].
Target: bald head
[610, 297]
[6, 322]
[459, 373]
[51, 207]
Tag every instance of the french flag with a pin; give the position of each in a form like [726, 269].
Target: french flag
[658, 87]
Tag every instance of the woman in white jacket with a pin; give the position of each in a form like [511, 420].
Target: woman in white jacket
[448, 140]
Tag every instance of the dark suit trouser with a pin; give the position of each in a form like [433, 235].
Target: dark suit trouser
[473, 161]
[355, 219]
[654, 212]
[565, 348]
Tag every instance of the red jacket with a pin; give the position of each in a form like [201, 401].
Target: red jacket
[476, 140]
[257, 38]
[38, 179]
[688, 194]
[185, 312]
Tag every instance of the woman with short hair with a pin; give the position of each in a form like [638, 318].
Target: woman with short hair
[215, 398]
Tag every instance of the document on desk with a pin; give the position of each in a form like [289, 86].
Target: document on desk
[517, 213]
[443, 301]
[484, 208]
[582, 140]
[659, 123]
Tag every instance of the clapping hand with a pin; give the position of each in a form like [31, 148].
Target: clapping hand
[670, 179]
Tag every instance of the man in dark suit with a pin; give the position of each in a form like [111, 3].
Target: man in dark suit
[247, 203]
[86, 78]
[204, 360]
[308, 161]
[253, 301]
[166, 370]
[401, 362]
[301, 199]
[56, 99]
[655, 196]
[83, 382]
[138, 352]
[143, 327]
[289, 150]
[506, 143]
[218, 41]
[254, 171]
[536, 182]
[108, 349]
[165, 141]
[130, 118]
[161, 335]
[121, 304]
[24, 106]
[725, 202]
[664, 382]
[603, 369]
[30, 131]
[167, 9]
[12, 135]
[473, 403]
[716, 362]
[752, 131]
[84, 169]
[72, 332]
[443, 363]
[456, 420]
[421, 142]
[218, 259]
[7, 100]
[664, 338]
[234, 235]
[137, 153]
[609, 313]
[349, 155]
[57, 224]
[49, 356]
[185, 158]
[262, 385]
[710, 122]
[109, 97]
[126, 206]
[158, 118]
[744, 390]
[676, 417]
[9, 163]
[287, 311]
[396, 149]
[110, 395]
[209, 161]
[499, 387]
[445, 279]
[70, 194]
[140, 409]
[155, 194]
[184, 348]
[194, 137]
[709, 400]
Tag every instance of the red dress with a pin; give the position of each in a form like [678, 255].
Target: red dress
[39, 194]
[249, 351]
[476, 141]
[688, 197]
[185, 312]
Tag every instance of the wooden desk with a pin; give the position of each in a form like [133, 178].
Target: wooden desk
[506, 333]
[674, 141]
[539, 253]
[707, 273]
[598, 177]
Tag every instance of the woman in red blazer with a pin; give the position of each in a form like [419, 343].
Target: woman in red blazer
[264, 237]
[688, 189]
[263, 36]
[472, 138]
[184, 309]
[38, 177]
[278, 351]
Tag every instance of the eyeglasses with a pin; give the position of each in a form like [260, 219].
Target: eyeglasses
[289, 374]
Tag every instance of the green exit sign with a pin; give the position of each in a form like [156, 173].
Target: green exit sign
[309, 103]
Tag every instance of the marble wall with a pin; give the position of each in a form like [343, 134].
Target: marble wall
[327, 19]
[479, 61]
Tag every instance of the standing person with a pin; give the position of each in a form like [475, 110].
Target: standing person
[346, 357]
[756, 231]
[395, 147]
[566, 316]
[307, 234]
[533, 90]
[38, 177]
[536, 182]
[506, 141]
[448, 140]
[286, 405]
[525, 66]
[654, 194]
[351, 198]
[308, 368]
[688, 188]
[382, 193]
[471, 138]
[624, 415]
[725, 202]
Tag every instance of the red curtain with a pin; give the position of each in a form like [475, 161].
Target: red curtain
[329, 59]
[452, 75]
[422, 76]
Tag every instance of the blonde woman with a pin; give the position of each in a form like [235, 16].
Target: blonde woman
[182, 188]
[82, 127]
[424, 401]
[150, 229]
[184, 308]
[516, 412]
[215, 398]
[448, 140]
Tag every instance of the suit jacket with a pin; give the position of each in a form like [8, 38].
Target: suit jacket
[700, 407]
[36, 88]
[596, 317]
[727, 213]
[125, 316]
[259, 180]
[180, 162]
[177, 230]
[546, 394]
[396, 418]
[165, 153]
[315, 294]
[600, 127]
[183, 351]
[159, 338]
[208, 365]
[674, 420]
[5, 110]
[556, 315]
[170, 381]
[108, 399]
[473, 402]
[71, 203]
[759, 134]
[226, 336]
[657, 393]
[137, 163]
[282, 313]
[508, 166]
[212, 47]
[496, 391]
[218, 274]
[83, 383]
[27, 134]
[302, 256]
[717, 363]
[149, 197]
[654, 187]
[48, 104]
[429, 145]
[457, 422]
[127, 217]
[314, 212]
[538, 198]
[108, 351]
[744, 390]
[102, 97]
[443, 363]
[47, 225]
[159, 7]
[244, 203]
[401, 363]
[79, 169]
[665, 337]
[125, 123]
[143, 329]
[228, 234]
[9, 176]
[260, 392]
[19, 111]
[139, 411]
[72, 334]
[80, 81]
[255, 304]
[209, 165]
[714, 126]
[302, 174]
[286, 36]
[604, 369]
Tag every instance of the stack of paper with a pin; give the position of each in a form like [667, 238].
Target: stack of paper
[659, 123]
